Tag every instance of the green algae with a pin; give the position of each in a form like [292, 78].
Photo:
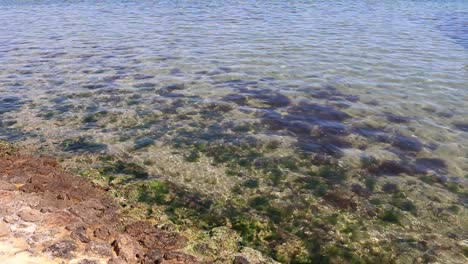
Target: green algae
[154, 191]
[391, 216]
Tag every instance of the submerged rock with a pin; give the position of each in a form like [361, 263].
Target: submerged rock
[461, 126]
[425, 164]
[397, 118]
[407, 143]
[318, 111]
[392, 167]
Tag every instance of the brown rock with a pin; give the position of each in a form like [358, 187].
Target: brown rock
[116, 261]
[103, 233]
[175, 257]
[154, 257]
[30, 215]
[6, 186]
[9, 219]
[62, 249]
[80, 234]
[88, 261]
[127, 248]
[339, 200]
[4, 229]
[99, 248]
[241, 260]
[20, 179]
[152, 237]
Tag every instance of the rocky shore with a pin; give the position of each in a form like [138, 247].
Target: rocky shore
[51, 216]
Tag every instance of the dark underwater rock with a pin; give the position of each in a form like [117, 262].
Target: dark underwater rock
[397, 118]
[426, 164]
[9, 103]
[407, 143]
[390, 188]
[319, 111]
[236, 98]
[143, 142]
[392, 167]
[373, 134]
[273, 99]
[332, 128]
[142, 77]
[94, 86]
[174, 86]
[461, 126]
[83, 144]
[145, 85]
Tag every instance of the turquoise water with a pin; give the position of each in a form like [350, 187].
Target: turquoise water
[198, 91]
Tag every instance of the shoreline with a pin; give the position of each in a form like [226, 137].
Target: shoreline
[50, 215]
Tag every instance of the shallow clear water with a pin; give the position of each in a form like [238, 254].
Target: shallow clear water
[403, 57]
[210, 94]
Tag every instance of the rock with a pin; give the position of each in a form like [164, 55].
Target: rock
[152, 237]
[393, 167]
[155, 256]
[116, 261]
[30, 215]
[88, 261]
[6, 186]
[127, 248]
[390, 188]
[4, 229]
[360, 190]
[80, 234]
[180, 257]
[99, 248]
[62, 249]
[103, 233]
[19, 179]
[339, 200]
[40, 237]
[10, 219]
[241, 260]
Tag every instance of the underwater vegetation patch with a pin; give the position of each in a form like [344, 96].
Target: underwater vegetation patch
[83, 144]
[129, 168]
[9, 104]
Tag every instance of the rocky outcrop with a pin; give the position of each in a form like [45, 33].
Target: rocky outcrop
[51, 216]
